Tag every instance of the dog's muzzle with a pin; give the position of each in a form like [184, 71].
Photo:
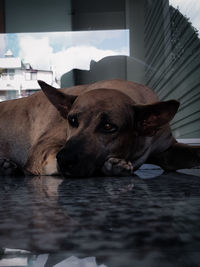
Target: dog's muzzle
[66, 164]
[76, 160]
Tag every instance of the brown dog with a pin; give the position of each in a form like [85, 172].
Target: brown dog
[110, 128]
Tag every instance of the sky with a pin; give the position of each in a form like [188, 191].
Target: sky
[64, 51]
[190, 9]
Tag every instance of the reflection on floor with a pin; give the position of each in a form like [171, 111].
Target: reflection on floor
[128, 221]
[16, 257]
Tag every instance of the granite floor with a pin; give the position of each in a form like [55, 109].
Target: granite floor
[150, 219]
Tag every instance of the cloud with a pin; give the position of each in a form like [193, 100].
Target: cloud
[39, 53]
[79, 57]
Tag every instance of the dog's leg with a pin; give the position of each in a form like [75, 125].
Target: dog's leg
[42, 160]
[117, 167]
[178, 156]
[9, 168]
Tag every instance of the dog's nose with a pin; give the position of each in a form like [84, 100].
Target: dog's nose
[74, 159]
[66, 158]
[67, 161]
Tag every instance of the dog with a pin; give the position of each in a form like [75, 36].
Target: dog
[108, 128]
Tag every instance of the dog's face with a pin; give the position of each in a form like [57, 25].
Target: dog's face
[102, 123]
[96, 131]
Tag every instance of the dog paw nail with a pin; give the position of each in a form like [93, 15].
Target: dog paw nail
[108, 166]
[6, 165]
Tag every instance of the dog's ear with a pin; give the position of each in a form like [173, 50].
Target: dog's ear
[150, 118]
[60, 100]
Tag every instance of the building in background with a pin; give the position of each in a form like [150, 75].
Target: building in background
[19, 79]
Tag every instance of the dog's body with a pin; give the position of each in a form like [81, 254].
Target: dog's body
[89, 129]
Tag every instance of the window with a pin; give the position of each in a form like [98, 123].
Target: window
[34, 76]
[27, 76]
[11, 73]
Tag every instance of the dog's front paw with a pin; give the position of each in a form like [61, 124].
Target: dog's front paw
[117, 167]
[8, 167]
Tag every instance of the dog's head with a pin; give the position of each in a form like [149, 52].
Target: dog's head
[104, 123]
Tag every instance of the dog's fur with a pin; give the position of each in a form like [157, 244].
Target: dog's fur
[106, 128]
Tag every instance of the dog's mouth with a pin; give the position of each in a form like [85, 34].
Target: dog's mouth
[65, 173]
[74, 160]
[83, 169]
[69, 171]
[79, 174]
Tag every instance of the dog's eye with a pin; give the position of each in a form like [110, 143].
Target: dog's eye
[109, 128]
[73, 121]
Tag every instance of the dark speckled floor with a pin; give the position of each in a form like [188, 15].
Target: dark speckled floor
[124, 222]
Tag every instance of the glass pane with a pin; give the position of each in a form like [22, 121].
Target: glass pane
[58, 58]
